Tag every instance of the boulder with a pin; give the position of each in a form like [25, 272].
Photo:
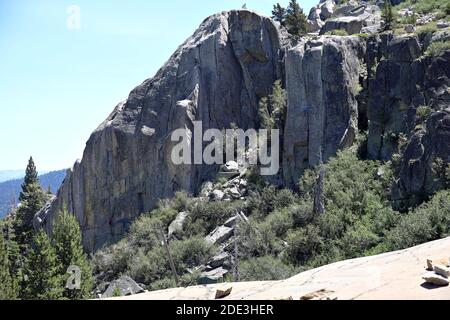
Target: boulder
[345, 9]
[434, 279]
[315, 25]
[230, 166]
[219, 235]
[231, 222]
[217, 195]
[213, 276]
[327, 9]
[176, 227]
[233, 192]
[218, 260]
[351, 25]
[442, 270]
[223, 292]
[314, 13]
[409, 28]
[125, 285]
[442, 24]
[206, 189]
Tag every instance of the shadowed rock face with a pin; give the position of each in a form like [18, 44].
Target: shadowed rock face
[418, 176]
[322, 81]
[217, 76]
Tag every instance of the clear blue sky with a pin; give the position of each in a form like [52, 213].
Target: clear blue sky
[57, 85]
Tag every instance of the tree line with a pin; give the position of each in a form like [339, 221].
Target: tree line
[34, 265]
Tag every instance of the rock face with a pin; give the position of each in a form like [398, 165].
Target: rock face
[392, 92]
[417, 176]
[335, 85]
[124, 285]
[351, 25]
[217, 76]
[401, 84]
[322, 80]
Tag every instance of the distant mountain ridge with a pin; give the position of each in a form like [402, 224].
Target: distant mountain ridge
[10, 189]
[7, 175]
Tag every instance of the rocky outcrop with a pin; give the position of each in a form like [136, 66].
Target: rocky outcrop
[402, 85]
[393, 92]
[335, 86]
[124, 286]
[322, 81]
[351, 25]
[419, 175]
[217, 76]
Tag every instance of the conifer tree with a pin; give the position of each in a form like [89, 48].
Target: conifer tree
[296, 21]
[8, 282]
[44, 281]
[279, 14]
[272, 109]
[388, 16]
[69, 251]
[32, 199]
[278, 100]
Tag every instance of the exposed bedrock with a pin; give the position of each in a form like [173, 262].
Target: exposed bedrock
[335, 85]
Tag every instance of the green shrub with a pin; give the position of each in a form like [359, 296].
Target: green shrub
[150, 266]
[267, 268]
[258, 239]
[427, 29]
[430, 221]
[337, 32]
[303, 244]
[180, 202]
[437, 48]
[263, 202]
[206, 216]
[190, 253]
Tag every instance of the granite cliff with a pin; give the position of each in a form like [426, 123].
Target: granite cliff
[337, 86]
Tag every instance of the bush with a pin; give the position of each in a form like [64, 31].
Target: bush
[263, 202]
[427, 29]
[151, 266]
[180, 202]
[437, 48]
[303, 244]
[267, 268]
[430, 221]
[206, 216]
[337, 32]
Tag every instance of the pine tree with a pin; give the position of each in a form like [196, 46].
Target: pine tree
[264, 114]
[388, 16]
[31, 177]
[278, 100]
[8, 283]
[272, 109]
[32, 199]
[44, 281]
[296, 21]
[279, 14]
[69, 251]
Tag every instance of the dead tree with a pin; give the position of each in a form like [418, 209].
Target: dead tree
[319, 198]
[236, 274]
[165, 243]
